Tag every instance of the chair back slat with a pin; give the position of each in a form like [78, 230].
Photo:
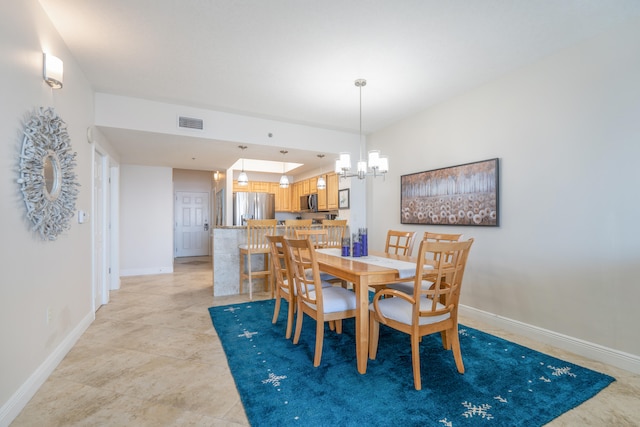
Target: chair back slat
[257, 230]
[448, 261]
[291, 225]
[319, 237]
[399, 242]
[302, 256]
[280, 262]
[441, 237]
[336, 230]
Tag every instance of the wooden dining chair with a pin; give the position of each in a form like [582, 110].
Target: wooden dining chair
[407, 287]
[425, 311]
[336, 230]
[291, 225]
[318, 236]
[399, 242]
[284, 286]
[320, 239]
[324, 304]
[257, 230]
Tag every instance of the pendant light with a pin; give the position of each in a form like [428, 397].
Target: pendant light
[379, 165]
[321, 184]
[284, 181]
[243, 179]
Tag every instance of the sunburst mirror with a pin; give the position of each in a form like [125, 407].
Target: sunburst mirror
[47, 177]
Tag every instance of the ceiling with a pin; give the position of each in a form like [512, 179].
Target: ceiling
[297, 60]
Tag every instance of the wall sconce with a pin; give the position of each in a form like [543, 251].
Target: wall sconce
[216, 176]
[52, 69]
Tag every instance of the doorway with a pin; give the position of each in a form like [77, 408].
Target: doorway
[192, 224]
[100, 231]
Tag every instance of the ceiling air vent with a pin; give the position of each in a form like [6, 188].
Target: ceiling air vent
[190, 123]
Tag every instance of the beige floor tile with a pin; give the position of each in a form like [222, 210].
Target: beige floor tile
[152, 358]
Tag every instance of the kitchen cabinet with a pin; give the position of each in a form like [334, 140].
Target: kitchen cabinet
[322, 196]
[288, 199]
[333, 184]
[283, 197]
[240, 188]
[259, 186]
[296, 192]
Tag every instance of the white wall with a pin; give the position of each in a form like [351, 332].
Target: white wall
[146, 220]
[149, 116]
[192, 180]
[38, 275]
[566, 257]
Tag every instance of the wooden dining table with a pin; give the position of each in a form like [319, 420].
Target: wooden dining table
[361, 275]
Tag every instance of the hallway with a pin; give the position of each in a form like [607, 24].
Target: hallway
[152, 358]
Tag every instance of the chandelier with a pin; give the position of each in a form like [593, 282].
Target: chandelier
[377, 165]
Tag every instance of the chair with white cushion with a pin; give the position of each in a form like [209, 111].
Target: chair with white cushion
[284, 286]
[407, 287]
[425, 311]
[320, 239]
[327, 304]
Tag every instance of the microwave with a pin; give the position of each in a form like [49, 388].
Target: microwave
[309, 203]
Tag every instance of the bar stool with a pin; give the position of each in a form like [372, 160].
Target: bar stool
[291, 225]
[257, 230]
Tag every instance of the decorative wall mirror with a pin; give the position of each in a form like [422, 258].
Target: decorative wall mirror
[47, 179]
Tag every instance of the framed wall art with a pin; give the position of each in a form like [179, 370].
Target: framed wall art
[457, 195]
[343, 199]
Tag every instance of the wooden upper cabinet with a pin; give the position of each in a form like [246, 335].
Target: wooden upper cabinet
[296, 192]
[333, 184]
[274, 187]
[284, 197]
[239, 189]
[259, 186]
[322, 197]
[288, 199]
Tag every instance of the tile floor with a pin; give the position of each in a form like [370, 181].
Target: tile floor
[152, 358]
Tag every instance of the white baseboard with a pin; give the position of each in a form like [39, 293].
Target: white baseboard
[11, 409]
[619, 359]
[145, 271]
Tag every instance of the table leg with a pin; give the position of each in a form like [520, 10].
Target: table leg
[362, 323]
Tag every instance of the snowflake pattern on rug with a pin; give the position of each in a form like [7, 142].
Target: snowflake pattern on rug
[493, 404]
[475, 410]
[481, 411]
[274, 379]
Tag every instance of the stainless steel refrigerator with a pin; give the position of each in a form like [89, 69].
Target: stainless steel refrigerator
[253, 206]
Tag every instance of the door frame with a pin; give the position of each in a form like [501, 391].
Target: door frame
[108, 278]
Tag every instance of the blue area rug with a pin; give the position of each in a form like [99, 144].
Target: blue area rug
[504, 384]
